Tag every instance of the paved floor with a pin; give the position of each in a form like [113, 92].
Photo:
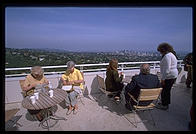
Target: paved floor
[102, 114]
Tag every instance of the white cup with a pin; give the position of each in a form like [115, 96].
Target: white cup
[33, 99]
[123, 76]
[51, 93]
[36, 95]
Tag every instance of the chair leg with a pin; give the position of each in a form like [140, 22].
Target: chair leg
[135, 121]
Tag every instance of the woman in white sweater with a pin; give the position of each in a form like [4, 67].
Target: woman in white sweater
[169, 73]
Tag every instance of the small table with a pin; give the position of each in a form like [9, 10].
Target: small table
[46, 102]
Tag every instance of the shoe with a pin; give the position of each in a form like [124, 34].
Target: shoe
[189, 126]
[50, 113]
[160, 106]
[188, 86]
[39, 117]
[116, 98]
[69, 110]
[128, 107]
[75, 111]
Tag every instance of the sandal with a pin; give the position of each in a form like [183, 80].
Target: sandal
[116, 98]
[69, 110]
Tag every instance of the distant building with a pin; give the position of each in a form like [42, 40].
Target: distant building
[33, 57]
[41, 59]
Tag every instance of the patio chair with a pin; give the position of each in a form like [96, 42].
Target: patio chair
[145, 95]
[102, 87]
[11, 119]
[21, 86]
[81, 93]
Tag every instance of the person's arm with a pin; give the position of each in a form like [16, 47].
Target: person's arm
[66, 82]
[27, 85]
[158, 82]
[131, 86]
[80, 78]
[116, 77]
[45, 80]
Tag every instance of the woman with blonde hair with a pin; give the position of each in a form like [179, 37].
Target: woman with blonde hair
[113, 81]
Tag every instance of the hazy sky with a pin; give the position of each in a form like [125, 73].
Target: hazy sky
[98, 28]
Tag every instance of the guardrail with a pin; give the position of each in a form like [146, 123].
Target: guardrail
[122, 66]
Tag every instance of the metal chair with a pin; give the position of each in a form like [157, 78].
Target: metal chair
[145, 95]
[21, 86]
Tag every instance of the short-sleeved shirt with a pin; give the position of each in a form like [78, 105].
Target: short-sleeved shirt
[29, 80]
[76, 75]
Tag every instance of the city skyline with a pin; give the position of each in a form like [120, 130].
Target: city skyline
[98, 29]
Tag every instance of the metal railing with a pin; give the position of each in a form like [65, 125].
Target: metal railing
[122, 66]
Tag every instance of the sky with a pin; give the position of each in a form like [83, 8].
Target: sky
[99, 28]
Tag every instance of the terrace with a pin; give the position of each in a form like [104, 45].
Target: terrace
[98, 112]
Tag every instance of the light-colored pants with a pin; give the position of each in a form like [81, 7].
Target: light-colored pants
[71, 98]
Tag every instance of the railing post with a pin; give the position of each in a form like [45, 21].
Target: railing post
[81, 68]
[180, 64]
[154, 66]
[122, 67]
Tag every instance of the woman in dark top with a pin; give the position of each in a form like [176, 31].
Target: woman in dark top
[113, 81]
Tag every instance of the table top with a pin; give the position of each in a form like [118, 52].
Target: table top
[45, 101]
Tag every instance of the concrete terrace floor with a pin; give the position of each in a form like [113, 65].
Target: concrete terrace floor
[99, 113]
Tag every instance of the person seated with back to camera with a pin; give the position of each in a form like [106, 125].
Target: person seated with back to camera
[144, 80]
[73, 77]
[31, 81]
[113, 81]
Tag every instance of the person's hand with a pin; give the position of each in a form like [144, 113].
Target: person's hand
[71, 82]
[121, 74]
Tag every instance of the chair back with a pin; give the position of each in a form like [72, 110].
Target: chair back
[83, 77]
[21, 84]
[60, 83]
[22, 88]
[101, 82]
[149, 94]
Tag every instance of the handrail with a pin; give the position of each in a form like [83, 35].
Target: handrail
[122, 67]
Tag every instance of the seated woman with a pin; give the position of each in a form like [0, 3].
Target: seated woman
[31, 81]
[113, 81]
[72, 76]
